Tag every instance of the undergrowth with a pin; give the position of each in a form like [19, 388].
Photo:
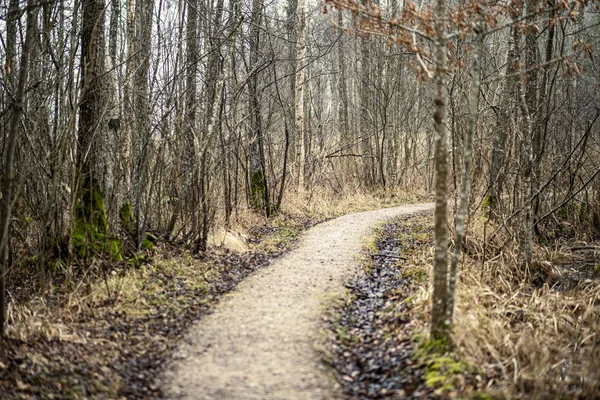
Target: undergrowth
[106, 326]
[533, 333]
[109, 335]
[518, 333]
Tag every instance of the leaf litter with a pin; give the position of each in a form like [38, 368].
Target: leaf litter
[373, 339]
[116, 338]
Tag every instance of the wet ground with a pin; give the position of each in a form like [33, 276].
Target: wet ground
[371, 343]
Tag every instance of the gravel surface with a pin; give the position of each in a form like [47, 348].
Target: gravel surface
[259, 343]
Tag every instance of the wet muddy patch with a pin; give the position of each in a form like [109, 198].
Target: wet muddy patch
[576, 267]
[371, 342]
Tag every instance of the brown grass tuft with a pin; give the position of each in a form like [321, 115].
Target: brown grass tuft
[529, 339]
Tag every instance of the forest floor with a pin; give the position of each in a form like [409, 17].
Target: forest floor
[316, 314]
[259, 342]
[108, 338]
[520, 334]
[107, 332]
[375, 343]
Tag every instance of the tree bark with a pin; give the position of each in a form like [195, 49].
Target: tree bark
[502, 128]
[141, 137]
[92, 124]
[439, 324]
[259, 194]
[299, 94]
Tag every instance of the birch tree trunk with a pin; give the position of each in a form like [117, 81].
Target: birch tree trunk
[299, 94]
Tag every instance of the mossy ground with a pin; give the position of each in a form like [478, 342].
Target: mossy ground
[91, 236]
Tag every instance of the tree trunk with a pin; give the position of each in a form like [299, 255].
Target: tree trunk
[191, 157]
[259, 194]
[128, 101]
[439, 324]
[502, 128]
[343, 92]
[299, 94]
[527, 156]
[90, 219]
[464, 185]
[7, 178]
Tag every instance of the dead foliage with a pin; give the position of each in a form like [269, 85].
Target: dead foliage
[533, 332]
[110, 335]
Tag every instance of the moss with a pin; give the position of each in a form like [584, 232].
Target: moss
[342, 333]
[126, 218]
[147, 244]
[433, 346]
[487, 205]
[415, 274]
[370, 245]
[257, 190]
[441, 371]
[114, 249]
[89, 242]
[481, 396]
[90, 231]
[136, 260]
[90, 207]
[442, 368]
[279, 239]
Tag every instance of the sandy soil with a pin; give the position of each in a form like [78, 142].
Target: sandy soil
[259, 342]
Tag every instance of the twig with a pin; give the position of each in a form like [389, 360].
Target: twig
[388, 256]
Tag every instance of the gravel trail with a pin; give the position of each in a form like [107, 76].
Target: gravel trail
[259, 342]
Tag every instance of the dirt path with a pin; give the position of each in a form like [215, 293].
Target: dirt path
[259, 341]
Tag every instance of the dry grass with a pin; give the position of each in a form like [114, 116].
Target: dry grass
[109, 289]
[324, 202]
[31, 321]
[320, 203]
[529, 342]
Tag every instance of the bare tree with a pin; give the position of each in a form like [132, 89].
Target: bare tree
[8, 173]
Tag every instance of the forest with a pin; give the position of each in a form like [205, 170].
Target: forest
[157, 153]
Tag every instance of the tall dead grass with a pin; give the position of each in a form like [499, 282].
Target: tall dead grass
[530, 342]
[31, 321]
[322, 201]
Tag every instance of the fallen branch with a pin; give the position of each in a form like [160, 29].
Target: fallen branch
[388, 256]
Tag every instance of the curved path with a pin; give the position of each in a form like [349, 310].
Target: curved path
[259, 343]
